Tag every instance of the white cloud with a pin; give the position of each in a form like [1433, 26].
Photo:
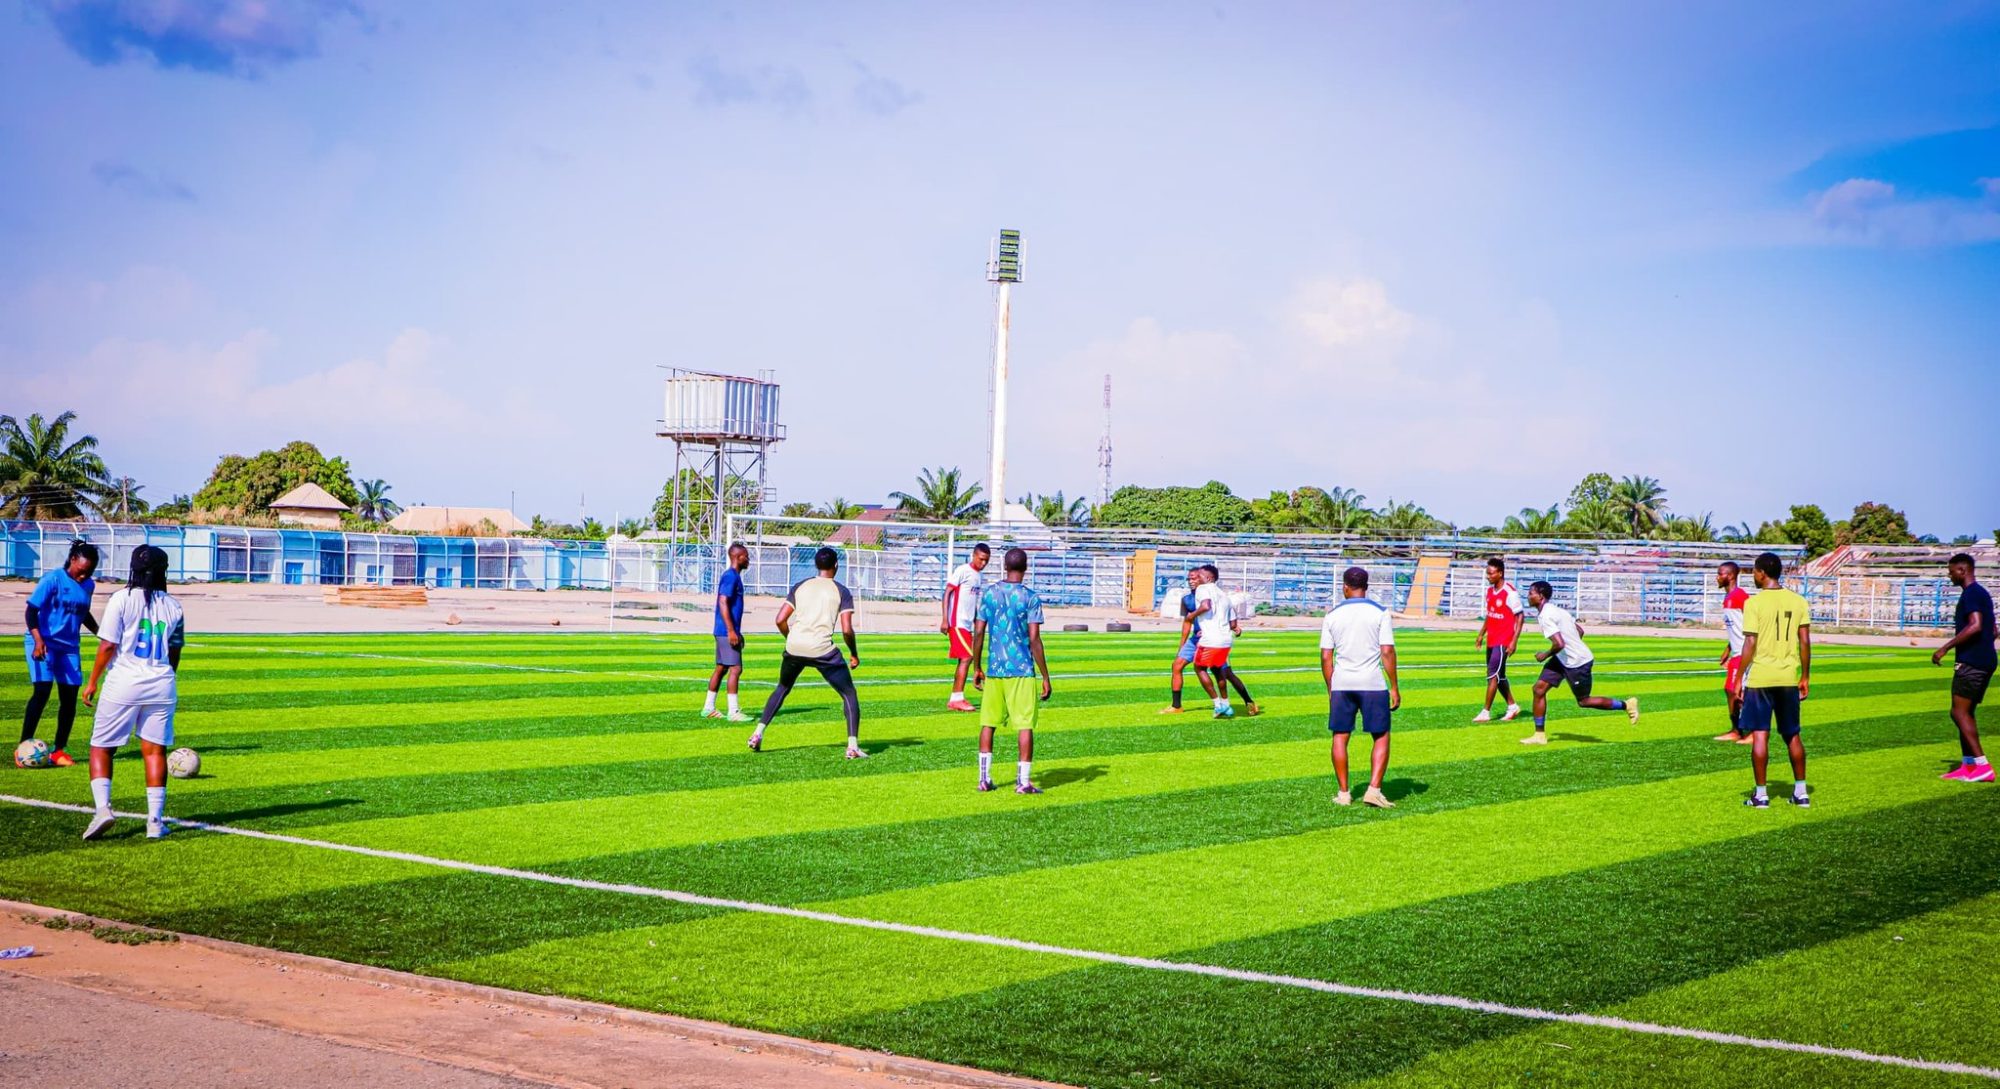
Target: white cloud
[1353, 312]
[1869, 211]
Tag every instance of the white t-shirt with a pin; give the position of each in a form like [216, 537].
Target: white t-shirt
[964, 586]
[144, 634]
[1215, 622]
[1556, 620]
[1355, 631]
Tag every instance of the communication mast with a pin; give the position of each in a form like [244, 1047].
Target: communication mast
[1104, 450]
[723, 427]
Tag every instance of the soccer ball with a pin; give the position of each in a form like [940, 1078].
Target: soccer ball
[32, 753]
[183, 763]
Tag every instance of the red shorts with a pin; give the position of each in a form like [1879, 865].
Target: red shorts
[1210, 657]
[961, 644]
[1734, 677]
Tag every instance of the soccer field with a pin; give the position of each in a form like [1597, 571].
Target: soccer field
[1612, 873]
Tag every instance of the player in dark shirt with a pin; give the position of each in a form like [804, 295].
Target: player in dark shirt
[1973, 668]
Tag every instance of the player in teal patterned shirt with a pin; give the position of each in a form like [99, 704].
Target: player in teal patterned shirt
[1010, 615]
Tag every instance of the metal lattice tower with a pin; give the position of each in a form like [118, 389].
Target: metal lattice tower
[1104, 450]
[723, 427]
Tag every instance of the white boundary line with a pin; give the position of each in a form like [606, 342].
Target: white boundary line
[1419, 998]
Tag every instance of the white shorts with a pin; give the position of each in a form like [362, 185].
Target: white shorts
[116, 722]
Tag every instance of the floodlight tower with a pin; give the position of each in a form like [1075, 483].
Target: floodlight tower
[723, 427]
[1004, 268]
[1104, 450]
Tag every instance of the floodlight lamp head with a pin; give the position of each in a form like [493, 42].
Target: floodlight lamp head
[1005, 267]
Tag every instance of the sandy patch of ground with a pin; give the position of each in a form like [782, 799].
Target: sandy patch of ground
[91, 1013]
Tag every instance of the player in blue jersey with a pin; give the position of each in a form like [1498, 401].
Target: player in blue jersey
[1188, 640]
[58, 611]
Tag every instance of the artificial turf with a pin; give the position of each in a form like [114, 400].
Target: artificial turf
[1612, 872]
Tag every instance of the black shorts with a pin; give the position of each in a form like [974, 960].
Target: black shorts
[1555, 674]
[1968, 683]
[1761, 705]
[1373, 707]
[1496, 663]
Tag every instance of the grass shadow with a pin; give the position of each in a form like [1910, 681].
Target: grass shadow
[1583, 738]
[236, 816]
[1061, 777]
[1398, 789]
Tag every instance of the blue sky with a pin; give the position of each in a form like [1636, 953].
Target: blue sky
[1454, 253]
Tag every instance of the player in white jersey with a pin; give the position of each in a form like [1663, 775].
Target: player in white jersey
[961, 613]
[1357, 656]
[139, 642]
[1568, 660]
[1733, 597]
[1216, 627]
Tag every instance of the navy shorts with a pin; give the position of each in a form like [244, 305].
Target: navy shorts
[1761, 705]
[1373, 707]
[1555, 674]
[1496, 663]
[1968, 683]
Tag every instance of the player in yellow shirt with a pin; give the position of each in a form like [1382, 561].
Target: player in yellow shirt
[1777, 652]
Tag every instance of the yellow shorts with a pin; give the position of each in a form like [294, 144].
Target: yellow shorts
[1011, 702]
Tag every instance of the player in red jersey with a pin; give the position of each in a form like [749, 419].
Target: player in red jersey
[1733, 597]
[1500, 633]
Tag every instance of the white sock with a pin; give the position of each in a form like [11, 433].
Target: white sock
[958, 696]
[100, 792]
[1222, 703]
[156, 802]
[853, 744]
[758, 733]
[1761, 793]
[734, 707]
[709, 703]
[985, 766]
[1978, 761]
[1024, 771]
[1799, 789]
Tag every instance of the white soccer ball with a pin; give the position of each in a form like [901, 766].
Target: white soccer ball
[183, 763]
[32, 753]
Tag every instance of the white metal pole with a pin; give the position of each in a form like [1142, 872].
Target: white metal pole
[996, 478]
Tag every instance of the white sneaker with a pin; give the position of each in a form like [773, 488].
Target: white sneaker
[99, 824]
[1536, 738]
[856, 754]
[1513, 712]
[710, 712]
[1377, 799]
[1483, 716]
[738, 716]
[156, 829]
[1632, 710]
[1343, 798]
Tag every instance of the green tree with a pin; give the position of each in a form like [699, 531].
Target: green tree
[1678, 528]
[632, 527]
[1302, 509]
[122, 502]
[1807, 525]
[1593, 488]
[248, 485]
[941, 496]
[1738, 532]
[1407, 519]
[738, 492]
[44, 475]
[839, 508]
[811, 531]
[1210, 506]
[174, 510]
[1533, 523]
[1347, 511]
[375, 504]
[1876, 523]
[1641, 502]
[1057, 509]
[1593, 518]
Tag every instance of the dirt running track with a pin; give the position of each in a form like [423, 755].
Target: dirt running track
[90, 1014]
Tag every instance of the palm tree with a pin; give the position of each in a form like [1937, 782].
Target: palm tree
[840, 509]
[122, 502]
[1057, 509]
[1740, 531]
[1347, 511]
[1404, 518]
[1678, 528]
[939, 498]
[592, 530]
[375, 504]
[1641, 502]
[1593, 518]
[631, 527]
[44, 476]
[1532, 522]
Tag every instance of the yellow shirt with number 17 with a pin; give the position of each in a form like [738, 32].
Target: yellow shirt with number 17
[1775, 616]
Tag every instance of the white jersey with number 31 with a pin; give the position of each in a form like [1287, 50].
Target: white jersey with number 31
[145, 634]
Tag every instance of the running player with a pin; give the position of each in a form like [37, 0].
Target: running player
[1011, 614]
[58, 609]
[961, 609]
[1733, 597]
[1501, 636]
[1357, 646]
[1777, 669]
[1567, 660]
[1186, 653]
[1220, 624]
[729, 635]
[811, 612]
[140, 643]
[1974, 664]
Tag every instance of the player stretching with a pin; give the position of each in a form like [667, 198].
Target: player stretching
[1357, 645]
[1975, 662]
[1500, 635]
[140, 642]
[729, 635]
[1733, 597]
[807, 619]
[1777, 657]
[1566, 660]
[1011, 615]
[1216, 616]
[58, 610]
[961, 609]
[1186, 653]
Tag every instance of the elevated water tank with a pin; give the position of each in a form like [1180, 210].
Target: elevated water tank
[721, 408]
